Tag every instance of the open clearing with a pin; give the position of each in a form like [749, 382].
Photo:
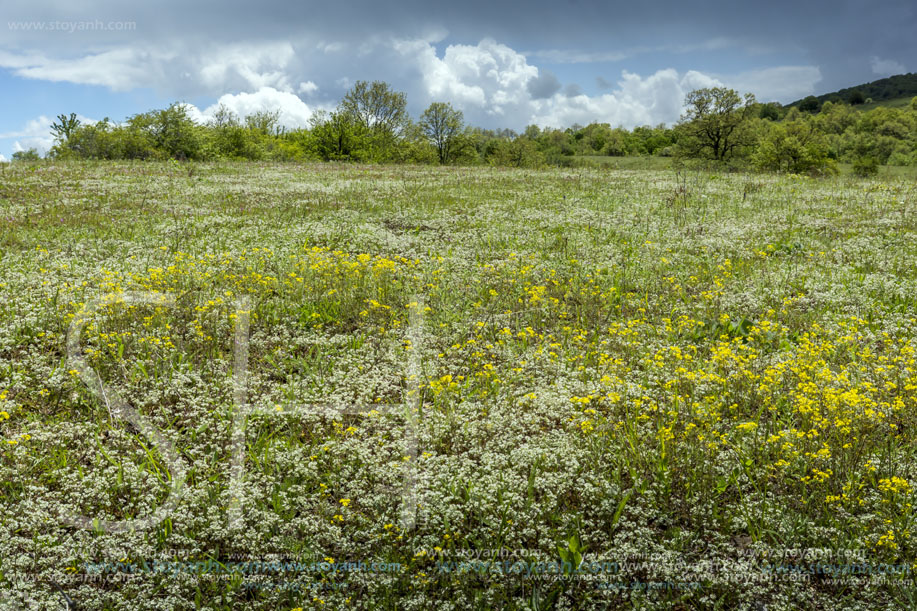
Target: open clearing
[422, 388]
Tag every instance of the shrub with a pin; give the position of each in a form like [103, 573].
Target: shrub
[29, 155]
[866, 166]
[796, 147]
[810, 104]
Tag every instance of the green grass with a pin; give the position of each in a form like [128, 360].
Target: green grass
[891, 103]
[885, 171]
[625, 163]
[698, 385]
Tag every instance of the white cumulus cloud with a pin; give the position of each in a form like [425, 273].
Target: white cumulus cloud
[294, 113]
[307, 87]
[492, 81]
[175, 68]
[650, 100]
[488, 77]
[118, 69]
[36, 133]
[493, 84]
[255, 65]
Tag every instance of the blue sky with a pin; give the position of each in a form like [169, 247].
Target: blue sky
[503, 64]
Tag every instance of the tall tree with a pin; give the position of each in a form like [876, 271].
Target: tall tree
[794, 145]
[377, 107]
[338, 136]
[175, 133]
[442, 124]
[65, 128]
[224, 117]
[810, 104]
[265, 122]
[717, 122]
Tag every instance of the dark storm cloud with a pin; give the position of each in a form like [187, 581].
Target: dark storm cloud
[841, 37]
[544, 86]
[317, 49]
[573, 90]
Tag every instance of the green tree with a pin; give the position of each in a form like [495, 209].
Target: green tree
[833, 118]
[339, 136]
[810, 104]
[594, 137]
[533, 132]
[28, 155]
[174, 134]
[866, 166]
[382, 114]
[64, 128]
[795, 146]
[228, 139]
[377, 106]
[87, 142]
[856, 97]
[646, 140]
[414, 147]
[224, 117]
[442, 125]
[770, 111]
[717, 123]
[520, 152]
[264, 122]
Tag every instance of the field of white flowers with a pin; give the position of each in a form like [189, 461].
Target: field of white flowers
[248, 386]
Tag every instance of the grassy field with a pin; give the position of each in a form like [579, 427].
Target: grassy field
[600, 162]
[892, 103]
[249, 386]
[633, 162]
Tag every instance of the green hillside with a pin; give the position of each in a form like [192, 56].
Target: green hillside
[890, 90]
[901, 102]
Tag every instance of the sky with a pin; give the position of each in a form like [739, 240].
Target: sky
[504, 64]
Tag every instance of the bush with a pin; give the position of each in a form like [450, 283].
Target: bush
[810, 104]
[902, 158]
[796, 147]
[769, 111]
[856, 97]
[866, 166]
[29, 155]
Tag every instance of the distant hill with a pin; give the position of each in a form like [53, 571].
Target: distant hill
[886, 89]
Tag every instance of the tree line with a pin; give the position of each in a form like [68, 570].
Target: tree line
[371, 124]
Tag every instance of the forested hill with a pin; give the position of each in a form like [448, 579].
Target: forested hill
[893, 87]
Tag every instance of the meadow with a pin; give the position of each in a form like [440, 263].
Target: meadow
[303, 386]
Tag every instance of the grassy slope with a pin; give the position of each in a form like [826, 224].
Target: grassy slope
[702, 374]
[892, 103]
[884, 89]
